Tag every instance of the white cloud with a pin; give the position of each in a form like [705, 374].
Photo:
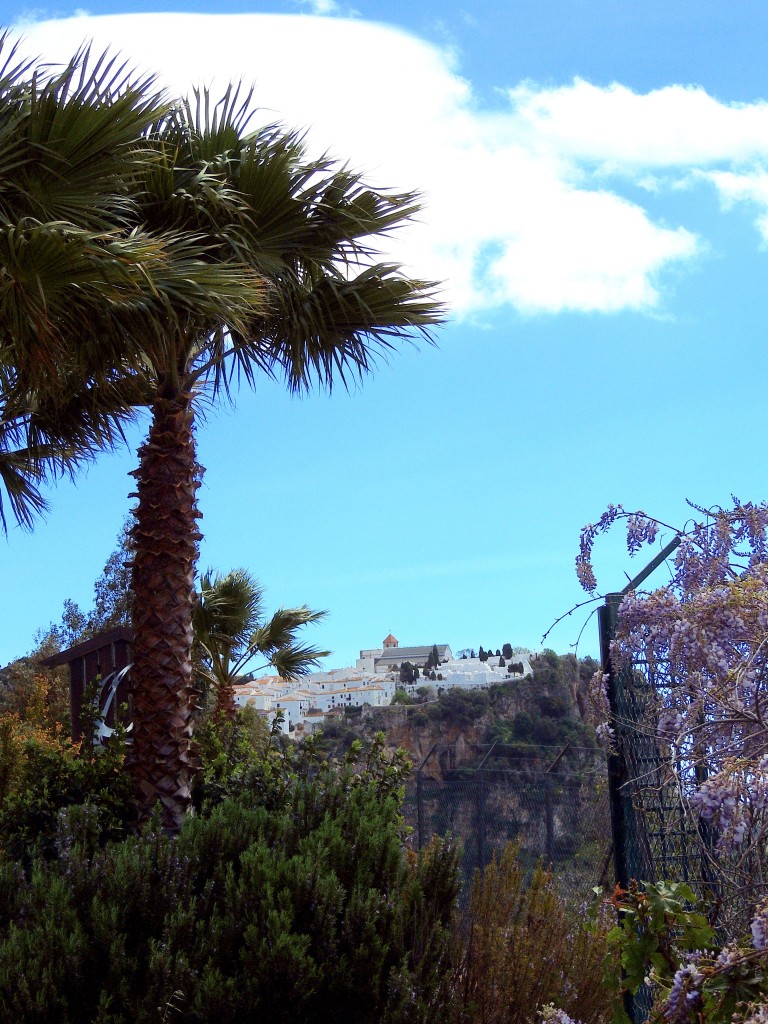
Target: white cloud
[623, 130]
[321, 7]
[746, 186]
[523, 204]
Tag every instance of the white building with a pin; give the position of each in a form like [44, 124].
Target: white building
[391, 655]
[373, 681]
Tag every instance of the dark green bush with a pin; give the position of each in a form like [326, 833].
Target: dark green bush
[288, 898]
[522, 728]
[459, 707]
[553, 707]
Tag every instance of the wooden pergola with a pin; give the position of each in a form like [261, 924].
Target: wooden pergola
[100, 657]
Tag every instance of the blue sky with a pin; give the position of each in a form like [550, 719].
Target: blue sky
[595, 180]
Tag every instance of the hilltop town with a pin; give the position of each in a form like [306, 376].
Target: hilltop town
[306, 703]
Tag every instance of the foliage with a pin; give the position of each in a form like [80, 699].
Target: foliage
[459, 707]
[402, 697]
[37, 695]
[664, 940]
[551, 712]
[292, 900]
[231, 631]
[523, 948]
[703, 636]
[433, 659]
[68, 154]
[407, 675]
[44, 775]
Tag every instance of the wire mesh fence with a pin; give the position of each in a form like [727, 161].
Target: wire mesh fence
[657, 834]
[552, 802]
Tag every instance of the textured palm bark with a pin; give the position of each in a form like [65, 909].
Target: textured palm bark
[225, 701]
[165, 545]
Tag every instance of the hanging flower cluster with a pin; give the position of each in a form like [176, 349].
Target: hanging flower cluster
[685, 995]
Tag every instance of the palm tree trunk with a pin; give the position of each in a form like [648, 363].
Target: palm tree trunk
[165, 546]
[225, 701]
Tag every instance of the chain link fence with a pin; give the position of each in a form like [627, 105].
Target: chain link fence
[551, 801]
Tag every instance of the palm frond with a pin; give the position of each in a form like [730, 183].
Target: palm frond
[230, 632]
[219, 126]
[297, 661]
[280, 631]
[335, 329]
[227, 607]
[76, 142]
[20, 476]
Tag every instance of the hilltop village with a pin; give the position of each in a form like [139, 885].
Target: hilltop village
[306, 703]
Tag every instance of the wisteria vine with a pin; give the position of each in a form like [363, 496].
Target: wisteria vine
[703, 636]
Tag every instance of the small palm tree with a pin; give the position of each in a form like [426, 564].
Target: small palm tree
[231, 633]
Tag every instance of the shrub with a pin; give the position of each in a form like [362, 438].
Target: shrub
[304, 910]
[522, 948]
[42, 773]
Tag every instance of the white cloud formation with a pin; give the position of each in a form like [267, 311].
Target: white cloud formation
[626, 131]
[523, 204]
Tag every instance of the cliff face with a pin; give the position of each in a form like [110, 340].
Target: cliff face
[546, 710]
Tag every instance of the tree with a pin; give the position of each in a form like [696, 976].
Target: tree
[305, 228]
[507, 651]
[401, 697]
[482, 655]
[239, 256]
[231, 631]
[406, 673]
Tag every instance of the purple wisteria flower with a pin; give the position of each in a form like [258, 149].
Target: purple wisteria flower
[759, 926]
[721, 801]
[685, 996]
[605, 736]
[729, 956]
[640, 530]
[549, 1014]
[589, 534]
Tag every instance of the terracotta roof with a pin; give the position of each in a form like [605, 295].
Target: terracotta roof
[390, 639]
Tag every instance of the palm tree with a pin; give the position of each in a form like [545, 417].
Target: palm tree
[88, 287]
[170, 252]
[306, 228]
[231, 632]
